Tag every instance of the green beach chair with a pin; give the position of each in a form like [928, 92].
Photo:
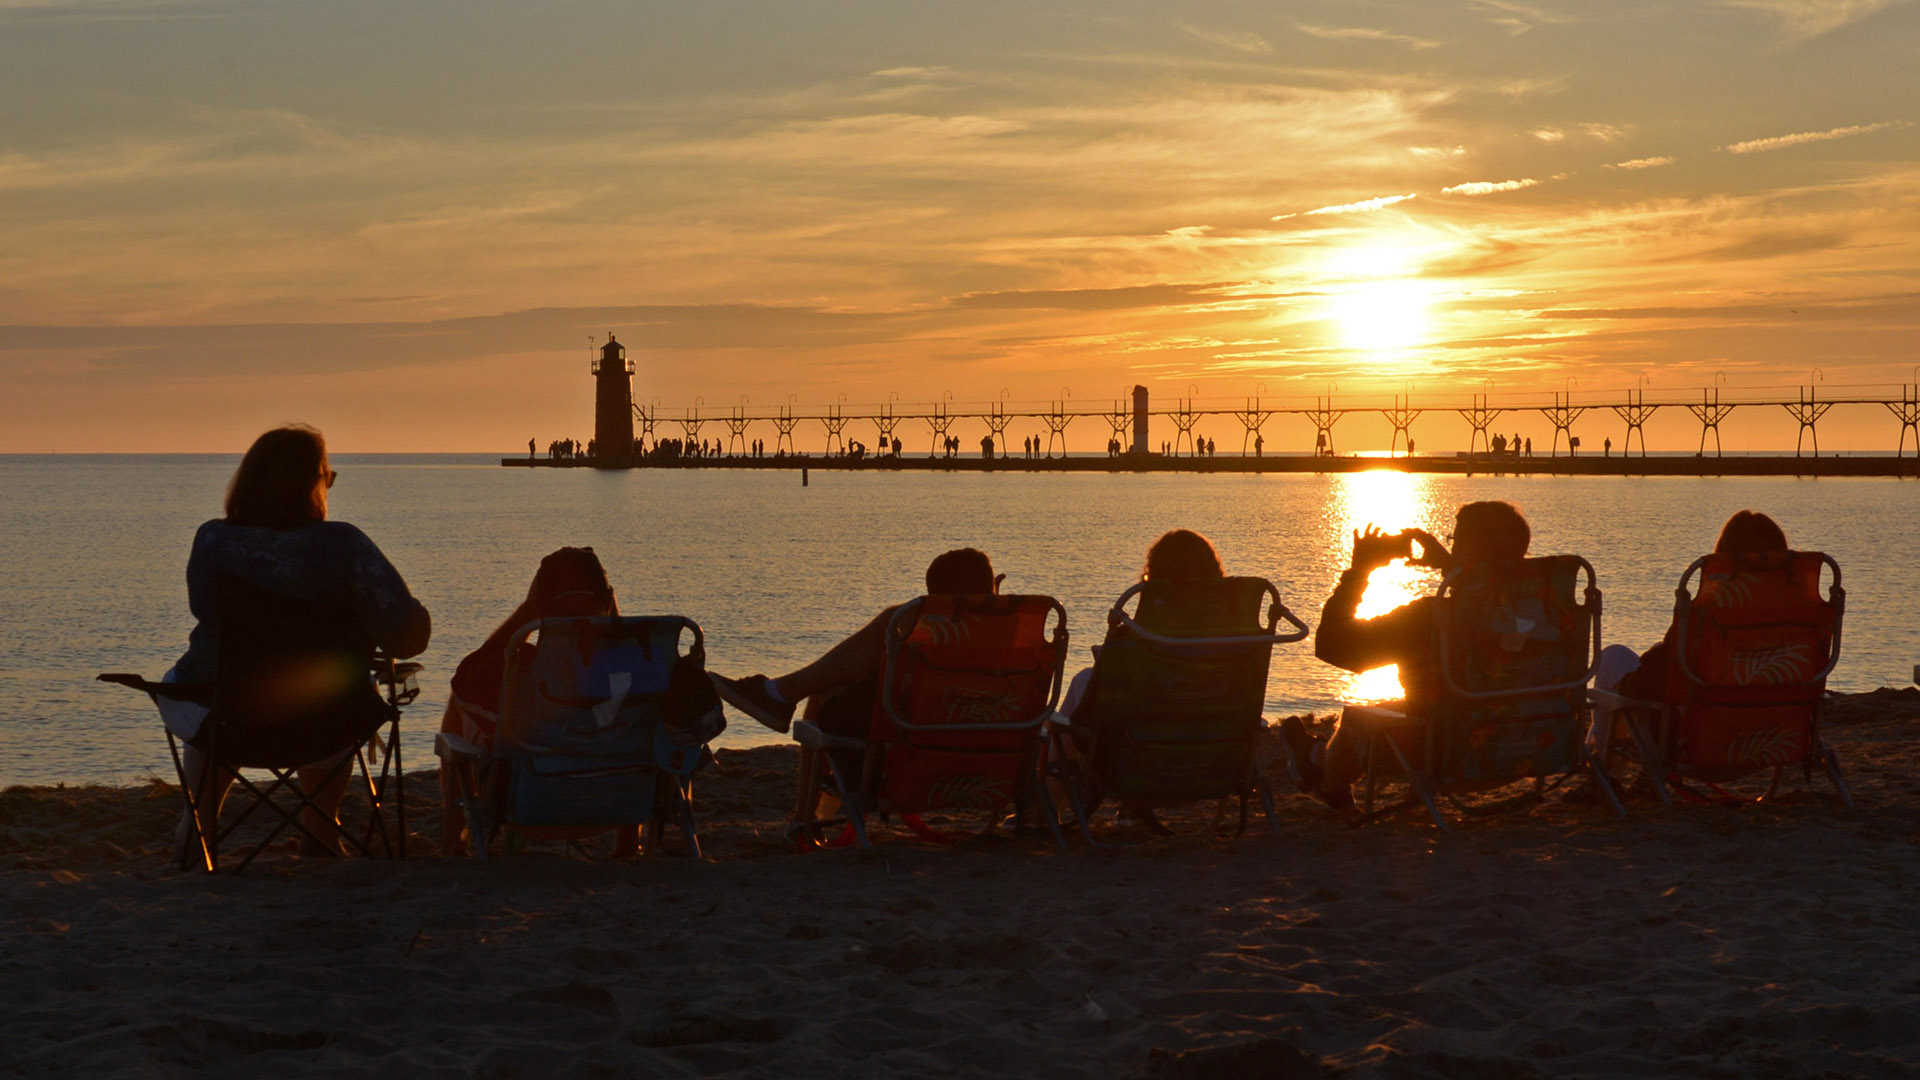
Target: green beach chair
[1174, 709]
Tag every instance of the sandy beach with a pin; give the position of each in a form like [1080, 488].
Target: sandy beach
[1700, 941]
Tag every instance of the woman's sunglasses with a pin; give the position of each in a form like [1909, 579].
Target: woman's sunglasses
[330, 476]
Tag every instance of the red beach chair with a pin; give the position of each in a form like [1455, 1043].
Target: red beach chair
[968, 685]
[1755, 642]
[1507, 702]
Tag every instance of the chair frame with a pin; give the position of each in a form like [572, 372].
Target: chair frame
[1651, 722]
[399, 685]
[1381, 724]
[1063, 764]
[864, 798]
[476, 804]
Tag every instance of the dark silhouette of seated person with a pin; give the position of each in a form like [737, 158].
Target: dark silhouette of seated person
[1747, 535]
[276, 537]
[570, 582]
[840, 688]
[1486, 535]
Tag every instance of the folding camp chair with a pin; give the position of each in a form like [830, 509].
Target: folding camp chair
[296, 683]
[603, 723]
[1506, 701]
[957, 724]
[1176, 699]
[1754, 644]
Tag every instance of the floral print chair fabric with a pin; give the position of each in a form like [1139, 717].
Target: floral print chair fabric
[1755, 643]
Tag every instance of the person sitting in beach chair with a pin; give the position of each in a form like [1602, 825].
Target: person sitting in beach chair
[572, 720]
[1494, 666]
[569, 582]
[328, 597]
[843, 678]
[867, 696]
[1171, 708]
[1734, 687]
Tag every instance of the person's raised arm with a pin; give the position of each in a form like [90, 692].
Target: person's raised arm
[1345, 640]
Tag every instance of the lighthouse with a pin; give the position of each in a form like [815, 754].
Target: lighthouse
[612, 401]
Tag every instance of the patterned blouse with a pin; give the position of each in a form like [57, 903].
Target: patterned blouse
[318, 560]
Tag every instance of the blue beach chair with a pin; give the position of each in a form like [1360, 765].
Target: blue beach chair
[603, 723]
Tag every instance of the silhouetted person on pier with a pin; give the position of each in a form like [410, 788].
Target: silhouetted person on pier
[1529, 447]
[896, 446]
[1260, 444]
[530, 451]
[1606, 448]
[843, 682]
[1499, 445]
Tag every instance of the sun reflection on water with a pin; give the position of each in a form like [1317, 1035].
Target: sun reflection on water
[1393, 501]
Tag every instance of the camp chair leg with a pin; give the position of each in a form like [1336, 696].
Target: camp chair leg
[196, 835]
[850, 804]
[1266, 803]
[1652, 764]
[684, 797]
[1605, 783]
[1049, 814]
[1832, 763]
[1418, 782]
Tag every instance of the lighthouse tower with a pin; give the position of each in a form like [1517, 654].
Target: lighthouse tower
[612, 401]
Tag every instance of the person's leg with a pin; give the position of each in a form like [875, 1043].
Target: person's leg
[453, 816]
[1616, 663]
[857, 658]
[209, 793]
[325, 782]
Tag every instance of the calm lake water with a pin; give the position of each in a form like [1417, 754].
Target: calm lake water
[93, 553]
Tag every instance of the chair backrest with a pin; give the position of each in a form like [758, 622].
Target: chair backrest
[591, 686]
[968, 682]
[1179, 687]
[1515, 644]
[583, 708]
[1755, 642]
[292, 679]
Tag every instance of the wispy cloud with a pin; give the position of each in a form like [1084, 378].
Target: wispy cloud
[1801, 20]
[1642, 163]
[1488, 187]
[1365, 33]
[1781, 142]
[1351, 208]
[1549, 134]
[1245, 41]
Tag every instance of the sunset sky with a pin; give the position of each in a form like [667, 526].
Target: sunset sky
[402, 222]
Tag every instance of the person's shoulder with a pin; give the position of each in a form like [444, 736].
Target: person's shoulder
[341, 534]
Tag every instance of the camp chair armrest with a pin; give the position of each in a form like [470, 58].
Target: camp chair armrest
[199, 693]
[1617, 700]
[447, 746]
[808, 734]
[1377, 717]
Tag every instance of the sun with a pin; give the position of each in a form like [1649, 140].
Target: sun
[1377, 302]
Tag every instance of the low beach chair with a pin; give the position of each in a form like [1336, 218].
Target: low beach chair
[1176, 699]
[1507, 701]
[295, 683]
[602, 726]
[957, 725]
[1755, 643]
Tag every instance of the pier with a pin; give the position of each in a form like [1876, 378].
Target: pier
[1141, 438]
